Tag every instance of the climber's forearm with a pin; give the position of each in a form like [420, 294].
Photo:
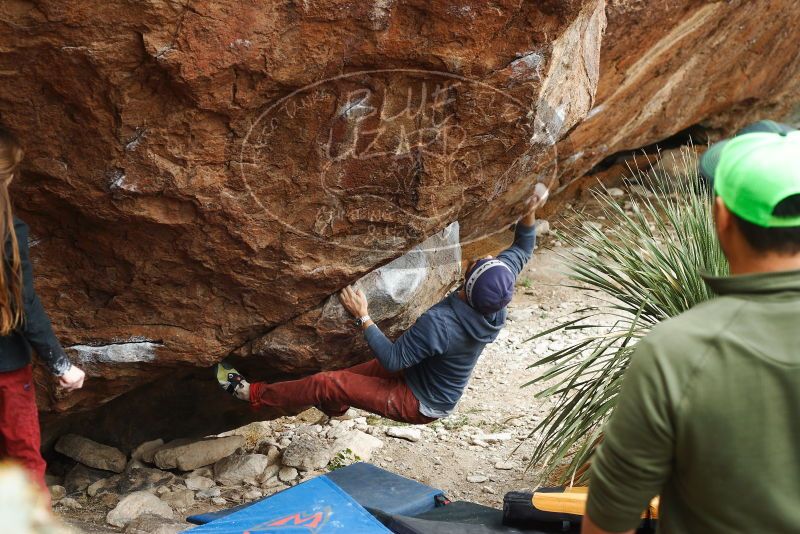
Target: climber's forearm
[529, 219]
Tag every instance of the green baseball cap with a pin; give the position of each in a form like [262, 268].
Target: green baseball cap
[755, 171]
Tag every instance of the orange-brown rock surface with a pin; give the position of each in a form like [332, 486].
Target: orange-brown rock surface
[201, 176]
[669, 66]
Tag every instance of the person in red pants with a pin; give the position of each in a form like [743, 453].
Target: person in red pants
[24, 326]
[421, 376]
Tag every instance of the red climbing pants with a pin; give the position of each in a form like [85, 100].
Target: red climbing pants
[367, 386]
[19, 422]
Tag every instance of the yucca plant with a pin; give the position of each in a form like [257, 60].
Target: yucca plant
[643, 267]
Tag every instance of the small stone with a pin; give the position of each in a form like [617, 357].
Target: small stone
[57, 492]
[135, 505]
[209, 493]
[91, 453]
[69, 502]
[162, 490]
[337, 432]
[477, 478]
[478, 442]
[494, 438]
[488, 489]
[362, 445]
[188, 455]
[109, 500]
[287, 474]
[542, 227]
[269, 485]
[53, 480]
[147, 450]
[135, 464]
[273, 455]
[104, 485]
[207, 471]
[311, 416]
[252, 494]
[219, 501]
[504, 466]
[236, 469]
[616, 192]
[198, 483]
[350, 414]
[180, 499]
[153, 524]
[307, 451]
[81, 477]
[308, 475]
[270, 473]
[143, 479]
[408, 433]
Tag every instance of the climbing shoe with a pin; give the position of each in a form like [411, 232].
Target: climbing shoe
[229, 379]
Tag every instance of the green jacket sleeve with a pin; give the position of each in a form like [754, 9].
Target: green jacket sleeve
[634, 461]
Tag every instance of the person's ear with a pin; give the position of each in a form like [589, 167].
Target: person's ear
[722, 216]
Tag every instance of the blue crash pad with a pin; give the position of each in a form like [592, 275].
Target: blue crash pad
[382, 490]
[371, 486]
[318, 507]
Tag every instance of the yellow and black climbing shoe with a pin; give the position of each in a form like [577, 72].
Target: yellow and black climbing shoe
[228, 377]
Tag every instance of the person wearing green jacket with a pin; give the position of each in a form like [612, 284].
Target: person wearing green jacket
[709, 413]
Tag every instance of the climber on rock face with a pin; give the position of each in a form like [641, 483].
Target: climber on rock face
[422, 375]
[23, 325]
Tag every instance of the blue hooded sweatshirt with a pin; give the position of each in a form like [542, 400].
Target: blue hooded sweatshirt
[440, 350]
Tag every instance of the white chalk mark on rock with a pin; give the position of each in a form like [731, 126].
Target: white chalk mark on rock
[138, 351]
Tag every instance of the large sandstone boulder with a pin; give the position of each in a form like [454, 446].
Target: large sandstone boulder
[693, 67]
[202, 178]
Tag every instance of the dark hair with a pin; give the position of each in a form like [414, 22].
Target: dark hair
[781, 240]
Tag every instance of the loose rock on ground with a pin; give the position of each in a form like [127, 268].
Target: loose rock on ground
[135, 505]
[187, 455]
[92, 454]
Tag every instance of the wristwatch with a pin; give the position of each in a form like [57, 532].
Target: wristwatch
[361, 320]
